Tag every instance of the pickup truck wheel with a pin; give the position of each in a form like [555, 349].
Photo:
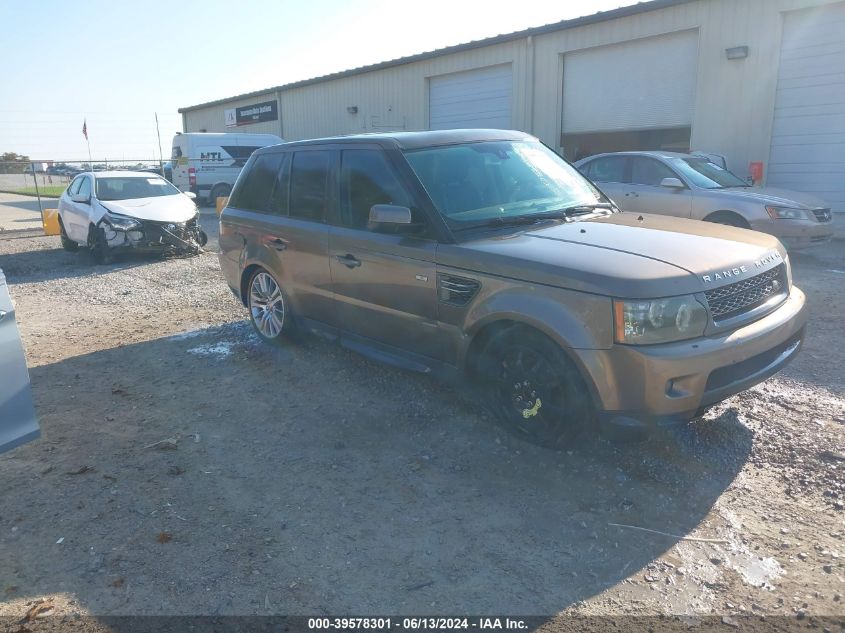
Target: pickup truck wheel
[534, 390]
[67, 243]
[268, 311]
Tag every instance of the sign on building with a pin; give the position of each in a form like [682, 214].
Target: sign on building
[255, 113]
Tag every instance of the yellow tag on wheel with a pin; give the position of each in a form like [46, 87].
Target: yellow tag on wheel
[530, 413]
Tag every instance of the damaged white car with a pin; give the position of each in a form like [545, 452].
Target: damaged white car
[111, 211]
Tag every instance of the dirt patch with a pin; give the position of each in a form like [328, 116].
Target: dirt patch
[185, 468]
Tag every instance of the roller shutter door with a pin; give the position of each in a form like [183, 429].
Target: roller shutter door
[471, 99]
[808, 131]
[642, 84]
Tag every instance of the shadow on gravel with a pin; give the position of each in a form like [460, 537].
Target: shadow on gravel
[208, 474]
[56, 263]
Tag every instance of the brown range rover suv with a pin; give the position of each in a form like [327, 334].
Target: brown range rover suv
[481, 254]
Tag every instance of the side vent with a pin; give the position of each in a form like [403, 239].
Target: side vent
[456, 291]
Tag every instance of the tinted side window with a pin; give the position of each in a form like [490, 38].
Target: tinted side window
[281, 190]
[609, 169]
[85, 187]
[309, 185]
[647, 171]
[254, 189]
[367, 179]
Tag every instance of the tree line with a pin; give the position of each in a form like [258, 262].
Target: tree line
[12, 163]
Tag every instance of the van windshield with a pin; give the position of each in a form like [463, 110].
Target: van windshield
[499, 180]
[127, 188]
[177, 153]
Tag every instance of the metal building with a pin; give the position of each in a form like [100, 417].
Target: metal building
[754, 80]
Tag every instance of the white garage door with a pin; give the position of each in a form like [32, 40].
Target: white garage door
[652, 79]
[808, 133]
[472, 99]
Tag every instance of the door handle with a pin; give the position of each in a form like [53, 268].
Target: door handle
[278, 243]
[350, 261]
[3, 314]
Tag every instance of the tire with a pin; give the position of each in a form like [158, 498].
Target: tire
[533, 390]
[218, 191]
[268, 308]
[67, 243]
[97, 246]
[728, 218]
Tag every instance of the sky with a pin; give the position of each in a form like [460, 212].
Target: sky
[115, 64]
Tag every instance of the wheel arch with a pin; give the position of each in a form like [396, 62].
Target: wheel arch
[730, 213]
[246, 274]
[483, 332]
[221, 183]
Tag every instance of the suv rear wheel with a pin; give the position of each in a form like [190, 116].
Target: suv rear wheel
[268, 309]
[534, 390]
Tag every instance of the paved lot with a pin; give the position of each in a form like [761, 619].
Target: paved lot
[19, 213]
[187, 469]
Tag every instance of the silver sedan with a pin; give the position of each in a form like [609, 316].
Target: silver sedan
[690, 186]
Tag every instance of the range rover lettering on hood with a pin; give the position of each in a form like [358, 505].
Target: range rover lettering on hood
[770, 258]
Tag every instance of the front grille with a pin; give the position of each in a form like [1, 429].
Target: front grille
[742, 296]
[822, 215]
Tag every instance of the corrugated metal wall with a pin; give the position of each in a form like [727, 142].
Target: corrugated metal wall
[733, 104]
[213, 119]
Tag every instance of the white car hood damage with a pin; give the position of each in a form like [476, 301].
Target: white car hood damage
[177, 208]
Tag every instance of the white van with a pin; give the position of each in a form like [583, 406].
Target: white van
[208, 163]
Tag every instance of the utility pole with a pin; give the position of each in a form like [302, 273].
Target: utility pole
[160, 155]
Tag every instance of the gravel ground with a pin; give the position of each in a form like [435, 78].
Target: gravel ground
[185, 468]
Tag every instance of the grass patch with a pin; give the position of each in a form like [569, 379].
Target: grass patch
[46, 191]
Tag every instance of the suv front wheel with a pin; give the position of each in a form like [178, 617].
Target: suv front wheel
[533, 388]
[268, 309]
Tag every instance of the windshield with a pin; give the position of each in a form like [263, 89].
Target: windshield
[499, 180]
[126, 188]
[702, 173]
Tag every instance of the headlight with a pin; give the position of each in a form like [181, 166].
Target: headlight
[658, 320]
[121, 222]
[785, 213]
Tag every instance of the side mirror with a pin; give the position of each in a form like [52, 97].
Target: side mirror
[389, 214]
[78, 197]
[672, 183]
[190, 194]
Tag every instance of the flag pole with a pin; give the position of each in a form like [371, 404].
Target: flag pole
[85, 131]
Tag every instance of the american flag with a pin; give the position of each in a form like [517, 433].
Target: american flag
[85, 129]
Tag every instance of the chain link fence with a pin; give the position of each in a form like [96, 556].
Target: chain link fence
[48, 179]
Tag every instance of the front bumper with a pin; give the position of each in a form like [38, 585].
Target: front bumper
[157, 236]
[653, 385]
[796, 234]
